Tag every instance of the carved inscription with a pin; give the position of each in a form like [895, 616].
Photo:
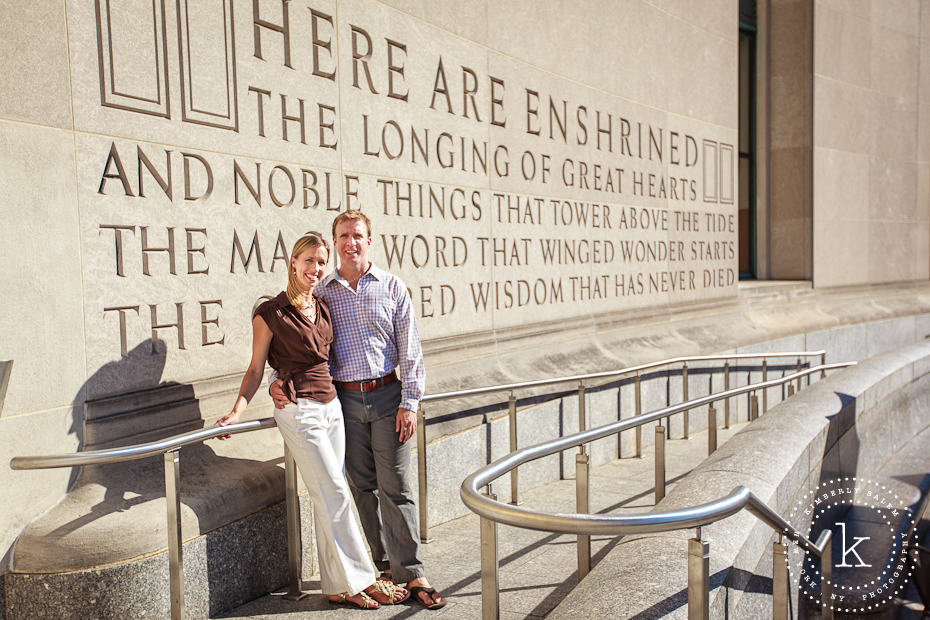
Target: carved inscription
[500, 194]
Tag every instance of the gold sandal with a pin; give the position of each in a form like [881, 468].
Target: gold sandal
[367, 601]
[393, 592]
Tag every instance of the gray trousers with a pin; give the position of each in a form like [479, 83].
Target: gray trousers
[378, 468]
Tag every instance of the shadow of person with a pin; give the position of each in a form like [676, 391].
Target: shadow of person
[113, 512]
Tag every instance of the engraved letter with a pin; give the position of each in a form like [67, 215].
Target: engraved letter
[123, 348]
[468, 92]
[191, 250]
[258, 23]
[330, 125]
[120, 174]
[261, 107]
[146, 249]
[156, 326]
[363, 57]
[497, 102]
[187, 177]
[398, 69]
[118, 238]
[254, 250]
[315, 18]
[532, 111]
[440, 87]
[204, 321]
[144, 161]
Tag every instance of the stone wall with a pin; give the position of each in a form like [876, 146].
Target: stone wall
[871, 137]
[522, 165]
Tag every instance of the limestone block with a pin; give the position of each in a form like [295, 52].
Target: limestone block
[42, 316]
[841, 192]
[448, 15]
[898, 15]
[29, 493]
[849, 105]
[843, 45]
[33, 44]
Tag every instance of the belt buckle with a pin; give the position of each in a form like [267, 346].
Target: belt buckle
[368, 386]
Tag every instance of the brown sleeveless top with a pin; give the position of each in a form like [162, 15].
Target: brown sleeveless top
[299, 348]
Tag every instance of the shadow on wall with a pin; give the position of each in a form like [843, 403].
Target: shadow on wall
[840, 460]
[87, 528]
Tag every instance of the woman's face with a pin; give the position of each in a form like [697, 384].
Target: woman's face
[310, 265]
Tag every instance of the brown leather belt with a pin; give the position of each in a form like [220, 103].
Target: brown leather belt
[367, 386]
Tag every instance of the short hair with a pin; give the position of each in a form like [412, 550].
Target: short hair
[349, 216]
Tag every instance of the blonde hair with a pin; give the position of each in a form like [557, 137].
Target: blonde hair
[349, 216]
[309, 241]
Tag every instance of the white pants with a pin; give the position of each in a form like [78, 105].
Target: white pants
[315, 435]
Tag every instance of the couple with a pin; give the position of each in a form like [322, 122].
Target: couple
[365, 316]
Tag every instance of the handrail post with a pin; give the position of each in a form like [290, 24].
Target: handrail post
[292, 512]
[798, 380]
[779, 580]
[512, 417]
[823, 362]
[790, 389]
[175, 549]
[765, 392]
[660, 463]
[639, 412]
[753, 407]
[826, 577]
[490, 590]
[582, 507]
[711, 429]
[684, 392]
[582, 415]
[726, 387]
[422, 488]
[698, 578]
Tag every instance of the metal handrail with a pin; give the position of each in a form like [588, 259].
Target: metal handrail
[170, 446]
[583, 524]
[632, 370]
[139, 451]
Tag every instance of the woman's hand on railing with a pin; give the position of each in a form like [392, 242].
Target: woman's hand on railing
[230, 418]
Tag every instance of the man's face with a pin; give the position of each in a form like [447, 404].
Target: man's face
[351, 243]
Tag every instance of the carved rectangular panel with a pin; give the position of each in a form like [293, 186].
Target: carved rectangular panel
[726, 173]
[132, 57]
[207, 49]
[710, 170]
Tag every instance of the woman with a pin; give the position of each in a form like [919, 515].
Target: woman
[293, 332]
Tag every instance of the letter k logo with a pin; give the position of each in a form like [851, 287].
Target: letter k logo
[852, 549]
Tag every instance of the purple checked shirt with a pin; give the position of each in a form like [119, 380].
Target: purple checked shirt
[375, 332]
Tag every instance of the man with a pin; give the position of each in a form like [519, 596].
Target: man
[377, 367]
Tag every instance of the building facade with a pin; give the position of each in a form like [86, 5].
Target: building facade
[537, 173]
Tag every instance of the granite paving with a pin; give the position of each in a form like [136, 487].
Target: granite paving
[537, 569]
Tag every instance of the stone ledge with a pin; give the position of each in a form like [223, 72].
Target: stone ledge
[797, 441]
[222, 569]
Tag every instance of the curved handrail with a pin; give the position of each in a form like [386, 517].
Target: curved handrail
[650, 523]
[169, 447]
[520, 516]
[139, 451]
[128, 453]
[613, 373]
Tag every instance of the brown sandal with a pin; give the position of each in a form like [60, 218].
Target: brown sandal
[431, 594]
[366, 603]
[393, 594]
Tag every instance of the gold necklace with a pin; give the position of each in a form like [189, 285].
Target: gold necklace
[309, 310]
